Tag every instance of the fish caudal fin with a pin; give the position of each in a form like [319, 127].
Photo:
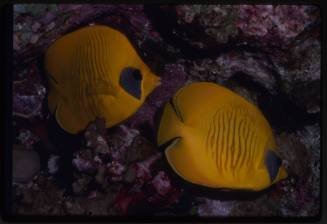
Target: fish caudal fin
[183, 163]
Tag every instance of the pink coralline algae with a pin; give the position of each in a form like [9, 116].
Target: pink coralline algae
[227, 65]
[187, 13]
[210, 207]
[94, 136]
[122, 138]
[149, 186]
[28, 93]
[256, 67]
[268, 22]
[161, 183]
[27, 138]
[125, 198]
[143, 172]
[29, 105]
[111, 172]
[216, 22]
[116, 170]
[130, 195]
[84, 165]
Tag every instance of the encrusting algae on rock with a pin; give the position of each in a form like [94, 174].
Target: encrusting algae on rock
[215, 138]
[95, 72]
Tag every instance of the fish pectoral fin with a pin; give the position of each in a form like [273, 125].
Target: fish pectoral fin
[52, 79]
[169, 143]
[176, 110]
[102, 88]
[68, 119]
[182, 162]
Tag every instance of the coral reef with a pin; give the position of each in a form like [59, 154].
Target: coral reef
[26, 164]
[268, 54]
[218, 208]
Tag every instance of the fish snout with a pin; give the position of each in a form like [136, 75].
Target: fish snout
[283, 173]
[156, 80]
[151, 81]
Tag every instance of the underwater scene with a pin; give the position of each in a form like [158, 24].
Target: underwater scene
[166, 110]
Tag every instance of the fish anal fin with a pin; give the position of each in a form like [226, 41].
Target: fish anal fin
[182, 162]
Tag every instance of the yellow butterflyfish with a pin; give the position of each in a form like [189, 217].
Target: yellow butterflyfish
[215, 138]
[95, 72]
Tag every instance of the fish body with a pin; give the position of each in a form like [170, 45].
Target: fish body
[95, 72]
[218, 139]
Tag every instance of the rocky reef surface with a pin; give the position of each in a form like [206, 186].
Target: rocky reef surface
[268, 54]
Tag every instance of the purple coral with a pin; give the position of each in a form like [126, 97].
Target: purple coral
[28, 95]
[273, 23]
[210, 207]
[143, 172]
[84, 165]
[115, 169]
[27, 138]
[161, 183]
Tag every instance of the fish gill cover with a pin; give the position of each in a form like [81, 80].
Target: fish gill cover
[270, 55]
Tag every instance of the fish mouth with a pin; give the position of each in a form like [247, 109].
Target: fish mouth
[168, 144]
[156, 80]
[150, 82]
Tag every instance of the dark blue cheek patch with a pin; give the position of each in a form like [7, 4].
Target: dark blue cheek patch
[130, 81]
[273, 162]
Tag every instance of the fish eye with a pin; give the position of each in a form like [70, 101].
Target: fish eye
[273, 162]
[137, 75]
[130, 81]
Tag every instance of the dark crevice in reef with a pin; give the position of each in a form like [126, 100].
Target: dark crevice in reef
[165, 22]
[66, 144]
[280, 111]
[273, 71]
